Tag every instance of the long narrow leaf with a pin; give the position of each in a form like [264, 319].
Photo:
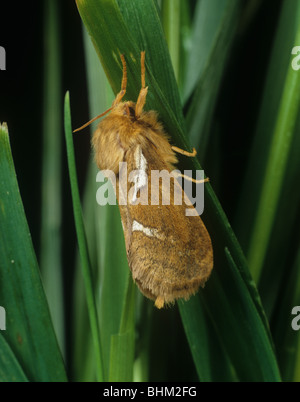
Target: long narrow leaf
[29, 331]
[211, 361]
[275, 168]
[50, 256]
[122, 344]
[10, 369]
[83, 249]
[214, 27]
[275, 129]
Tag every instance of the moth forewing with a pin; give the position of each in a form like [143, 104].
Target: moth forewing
[170, 254]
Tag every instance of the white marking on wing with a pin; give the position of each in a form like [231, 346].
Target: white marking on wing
[150, 232]
[141, 178]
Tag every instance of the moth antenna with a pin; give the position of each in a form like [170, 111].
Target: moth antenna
[140, 103]
[123, 83]
[118, 97]
[143, 73]
[124, 76]
[91, 121]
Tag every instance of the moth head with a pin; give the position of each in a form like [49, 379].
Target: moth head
[125, 109]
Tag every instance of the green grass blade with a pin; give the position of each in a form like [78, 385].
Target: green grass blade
[214, 27]
[100, 96]
[29, 331]
[210, 39]
[124, 34]
[286, 338]
[176, 22]
[281, 252]
[122, 344]
[230, 285]
[50, 254]
[211, 361]
[222, 298]
[144, 36]
[296, 376]
[121, 357]
[270, 154]
[259, 361]
[106, 240]
[114, 274]
[83, 249]
[10, 369]
[171, 22]
[276, 168]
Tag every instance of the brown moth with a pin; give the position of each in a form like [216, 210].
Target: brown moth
[170, 254]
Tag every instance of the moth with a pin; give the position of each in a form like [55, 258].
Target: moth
[170, 254]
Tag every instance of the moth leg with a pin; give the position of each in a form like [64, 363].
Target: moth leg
[186, 153]
[192, 154]
[159, 302]
[175, 174]
[183, 152]
[123, 84]
[140, 103]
